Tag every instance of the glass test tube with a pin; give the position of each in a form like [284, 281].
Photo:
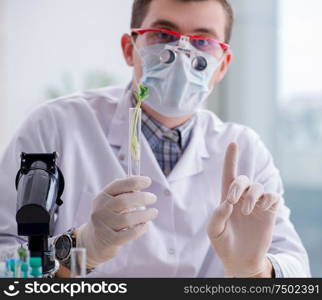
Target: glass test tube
[134, 155]
[9, 256]
[24, 257]
[78, 263]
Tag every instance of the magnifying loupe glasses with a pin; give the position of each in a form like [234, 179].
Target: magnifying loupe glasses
[168, 56]
[208, 45]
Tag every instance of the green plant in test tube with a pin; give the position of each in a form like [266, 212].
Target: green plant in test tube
[140, 96]
[22, 252]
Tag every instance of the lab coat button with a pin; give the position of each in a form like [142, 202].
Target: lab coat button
[121, 157]
[171, 251]
[167, 192]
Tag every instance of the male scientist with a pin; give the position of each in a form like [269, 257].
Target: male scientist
[212, 198]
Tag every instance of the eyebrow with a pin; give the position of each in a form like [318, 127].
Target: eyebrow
[165, 23]
[172, 26]
[207, 31]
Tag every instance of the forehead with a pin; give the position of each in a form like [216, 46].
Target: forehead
[187, 17]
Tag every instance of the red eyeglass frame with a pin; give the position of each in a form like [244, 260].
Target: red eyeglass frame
[141, 31]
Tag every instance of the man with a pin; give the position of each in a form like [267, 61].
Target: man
[220, 210]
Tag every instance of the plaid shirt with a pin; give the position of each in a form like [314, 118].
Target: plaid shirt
[167, 144]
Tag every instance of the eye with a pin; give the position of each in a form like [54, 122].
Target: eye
[159, 37]
[165, 37]
[201, 44]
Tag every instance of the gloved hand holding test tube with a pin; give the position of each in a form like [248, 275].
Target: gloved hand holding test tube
[109, 230]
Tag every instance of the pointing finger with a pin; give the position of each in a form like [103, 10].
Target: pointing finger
[229, 170]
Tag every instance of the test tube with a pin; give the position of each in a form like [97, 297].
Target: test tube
[134, 155]
[24, 256]
[10, 257]
[9, 252]
[3, 269]
[78, 262]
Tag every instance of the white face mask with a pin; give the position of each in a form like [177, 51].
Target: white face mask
[177, 76]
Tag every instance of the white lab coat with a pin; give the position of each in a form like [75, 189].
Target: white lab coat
[90, 131]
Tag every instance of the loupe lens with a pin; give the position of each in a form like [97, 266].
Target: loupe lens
[167, 56]
[199, 63]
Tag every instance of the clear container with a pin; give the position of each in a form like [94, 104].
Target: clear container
[134, 156]
[11, 262]
[78, 263]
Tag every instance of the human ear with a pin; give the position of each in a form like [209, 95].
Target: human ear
[127, 47]
[220, 74]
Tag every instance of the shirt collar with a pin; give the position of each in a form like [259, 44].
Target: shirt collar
[180, 134]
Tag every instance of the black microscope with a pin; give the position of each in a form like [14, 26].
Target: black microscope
[39, 184]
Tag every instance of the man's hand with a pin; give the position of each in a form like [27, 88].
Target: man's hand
[241, 227]
[113, 221]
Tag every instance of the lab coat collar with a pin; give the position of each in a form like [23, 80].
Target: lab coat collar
[118, 131]
[191, 162]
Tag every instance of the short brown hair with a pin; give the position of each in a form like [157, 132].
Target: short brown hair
[140, 9]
